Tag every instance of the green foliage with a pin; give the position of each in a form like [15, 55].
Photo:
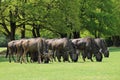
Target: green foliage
[116, 14]
[48, 34]
[3, 41]
[64, 16]
[96, 16]
[100, 18]
[109, 69]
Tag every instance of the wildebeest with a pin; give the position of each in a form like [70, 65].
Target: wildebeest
[49, 43]
[11, 50]
[19, 49]
[38, 49]
[88, 47]
[103, 46]
[63, 47]
[96, 51]
[34, 45]
[84, 45]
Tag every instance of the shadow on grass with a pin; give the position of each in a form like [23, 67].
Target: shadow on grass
[3, 59]
[114, 49]
[2, 56]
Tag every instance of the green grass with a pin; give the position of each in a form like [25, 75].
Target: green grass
[109, 69]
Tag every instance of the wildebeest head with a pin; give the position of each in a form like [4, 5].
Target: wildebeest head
[97, 51]
[74, 57]
[73, 54]
[106, 50]
[106, 53]
[99, 57]
[103, 46]
[46, 57]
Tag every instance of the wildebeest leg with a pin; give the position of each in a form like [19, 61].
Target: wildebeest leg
[9, 57]
[23, 57]
[65, 57]
[13, 58]
[40, 56]
[91, 59]
[31, 57]
[68, 57]
[27, 55]
[17, 57]
[51, 56]
[83, 55]
[54, 54]
[84, 58]
[10, 53]
[89, 56]
[58, 56]
[39, 59]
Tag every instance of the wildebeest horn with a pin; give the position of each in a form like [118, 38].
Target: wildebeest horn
[100, 50]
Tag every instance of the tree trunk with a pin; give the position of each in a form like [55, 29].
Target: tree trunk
[13, 29]
[12, 25]
[116, 40]
[38, 31]
[7, 32]
[63, 35]
[70, 35]
[97, 34]
[109, 41]
[23, 26]
[33, 32]
[23, 31]
[76, 34]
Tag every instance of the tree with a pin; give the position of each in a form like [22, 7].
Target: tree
[115, 33]
[96, 16]
[64, 17]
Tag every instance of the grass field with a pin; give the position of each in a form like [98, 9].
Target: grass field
[2, 48]
[109, 69]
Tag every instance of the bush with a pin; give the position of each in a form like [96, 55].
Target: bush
[109, 41]
[3, 41]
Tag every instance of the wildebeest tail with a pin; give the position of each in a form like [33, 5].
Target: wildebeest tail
[7, 52]
[40, 46]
